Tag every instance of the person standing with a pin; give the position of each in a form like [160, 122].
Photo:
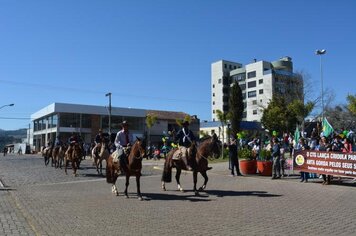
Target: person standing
[276, 156]
[233, 156]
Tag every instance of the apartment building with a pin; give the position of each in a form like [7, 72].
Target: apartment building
[259, 81]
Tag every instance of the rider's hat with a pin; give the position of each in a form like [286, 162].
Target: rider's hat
[124, 123]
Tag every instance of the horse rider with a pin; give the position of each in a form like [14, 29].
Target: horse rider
[123, 142]
[185, 139]
[57, 142]
[73, 140]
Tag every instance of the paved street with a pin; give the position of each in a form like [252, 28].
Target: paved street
[39, 200]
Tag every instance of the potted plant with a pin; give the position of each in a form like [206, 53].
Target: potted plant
[247, 161]
[264, 163]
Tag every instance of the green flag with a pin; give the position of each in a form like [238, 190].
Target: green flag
[327, 128]
[296, 135]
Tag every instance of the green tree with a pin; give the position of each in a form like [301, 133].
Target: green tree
[298, 111]
[351, 99]
[236, 107]
[275, 116]
[223, 117]
[150, 121]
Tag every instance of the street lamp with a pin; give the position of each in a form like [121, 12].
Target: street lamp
[109, 95]
[320, 53]
[8, 105]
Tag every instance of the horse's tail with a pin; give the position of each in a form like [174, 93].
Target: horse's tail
[109, 171]
[167, 170]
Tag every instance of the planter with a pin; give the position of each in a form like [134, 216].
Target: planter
[248, 167]
[264, 168]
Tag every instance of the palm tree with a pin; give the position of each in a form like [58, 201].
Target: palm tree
[150, 121]
[223, 117]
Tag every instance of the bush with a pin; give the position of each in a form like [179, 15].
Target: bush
[245, 154]
[265, 155]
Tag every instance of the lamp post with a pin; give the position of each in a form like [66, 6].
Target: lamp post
[109, 95]
[320, 53]
[8, 105]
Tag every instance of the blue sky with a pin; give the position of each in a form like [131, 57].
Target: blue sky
[157, 54]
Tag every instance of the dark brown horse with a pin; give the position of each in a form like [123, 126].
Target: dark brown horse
[113, 169]
[73, 155]
[198, 160]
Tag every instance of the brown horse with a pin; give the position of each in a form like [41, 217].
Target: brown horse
[198, 160]
[47, 155]
[99, 157]
[113, 169]
[73, 155]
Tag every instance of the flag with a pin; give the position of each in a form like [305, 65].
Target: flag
[296, 135]
[327, 128]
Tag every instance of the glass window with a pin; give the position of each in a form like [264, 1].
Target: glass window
[251, 84]
[254, 102]
[213, 94]
[260, 81]
[260, 91]
[244, 115]
[219, 81]
[242, 86]
[213, 85]
[252, 94]
[225, 66]
[213, 102]
[251, 74]
[254, 112]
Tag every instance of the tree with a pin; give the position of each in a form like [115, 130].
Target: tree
[300, 110]
[223, 117]
[150, 121]
[351, 99]
[236, 107]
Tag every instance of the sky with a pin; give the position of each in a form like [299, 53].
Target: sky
[158, 54]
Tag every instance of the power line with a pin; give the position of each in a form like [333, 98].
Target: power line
[53, 87]
[14, 118]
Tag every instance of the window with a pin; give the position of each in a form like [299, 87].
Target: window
[213, 94]
[244, 95]
[254, 102]
[213, 85]
[242, 86]
[230, 67]
[213, 102]
[213, 111]
[260, 81]
[234, 67]
[252, 94]
[251, 74]
[219, 81]
[251, 84]
[260, 91]
[254, 112]
[225, 66]
[244, 115]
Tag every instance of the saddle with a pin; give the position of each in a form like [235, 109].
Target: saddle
[181, 152]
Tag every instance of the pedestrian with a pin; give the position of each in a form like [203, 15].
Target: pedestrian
[233, 156]
[302, 145]
[276, 156]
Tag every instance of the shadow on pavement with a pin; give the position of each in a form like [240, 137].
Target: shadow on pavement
[224, 193]
[174, 197]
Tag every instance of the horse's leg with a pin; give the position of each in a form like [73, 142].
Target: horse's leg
[195, 180]
[65, 165]
[114, 189]
[127, 183]
[163, 186]
[74, 167]
[138, 175]
[203, 173]
[179, 171]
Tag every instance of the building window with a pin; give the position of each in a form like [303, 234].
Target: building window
[242, 86]
[260, 91]
[213, 94]
[254, 102]
[213, 85]
[230, 67]
[254, 112]
[244, 115]
[225, 66]
[251, 74]
[234, 67]
[260, 100]
[213, 102]
[219, 81]
[213, 111]
[252, 94]
[260, 81]
[251, 84]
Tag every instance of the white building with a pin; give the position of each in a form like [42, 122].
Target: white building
[61, 119]
[259, 81]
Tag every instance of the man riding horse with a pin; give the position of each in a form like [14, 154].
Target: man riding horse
[123, 142]
[185, 138]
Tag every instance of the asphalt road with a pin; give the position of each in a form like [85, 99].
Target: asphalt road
[40, 200]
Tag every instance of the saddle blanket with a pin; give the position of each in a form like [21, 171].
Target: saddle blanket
[115, 156]
[181, 152]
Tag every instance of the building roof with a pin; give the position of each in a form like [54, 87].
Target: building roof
[167, 115]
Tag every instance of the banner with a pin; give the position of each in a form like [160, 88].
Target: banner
[329, 163]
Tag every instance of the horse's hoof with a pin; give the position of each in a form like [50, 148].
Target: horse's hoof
[196, 193]
[164, 189]
[181, 189]
[140, 198]
[126, 196]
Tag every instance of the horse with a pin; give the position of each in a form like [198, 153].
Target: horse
[73, 155]
[113, 169]
[198, 160]
[47, 154]
[99, 157]
[55, 156]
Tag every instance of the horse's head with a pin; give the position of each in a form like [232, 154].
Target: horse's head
[210, 147]
[138, 149]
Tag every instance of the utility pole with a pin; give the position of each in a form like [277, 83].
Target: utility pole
[109, 95]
